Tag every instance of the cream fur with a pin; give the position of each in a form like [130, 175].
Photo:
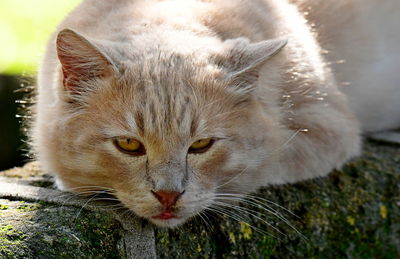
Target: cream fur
[171, 72]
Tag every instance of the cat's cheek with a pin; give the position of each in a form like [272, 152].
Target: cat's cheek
[115, 165]
[215, 161]
[206, 168]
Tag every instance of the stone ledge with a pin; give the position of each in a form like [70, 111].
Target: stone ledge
[47, 223]
[352, 213]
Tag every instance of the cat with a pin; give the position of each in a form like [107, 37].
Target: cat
[174, 105]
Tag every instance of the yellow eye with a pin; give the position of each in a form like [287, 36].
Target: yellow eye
[130, 146]
[201, 145]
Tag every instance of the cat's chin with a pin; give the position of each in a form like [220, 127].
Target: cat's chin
[167, 223]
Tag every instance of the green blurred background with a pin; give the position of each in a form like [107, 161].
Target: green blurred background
[25, 26]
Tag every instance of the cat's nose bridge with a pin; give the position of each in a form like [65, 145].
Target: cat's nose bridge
[171, 175]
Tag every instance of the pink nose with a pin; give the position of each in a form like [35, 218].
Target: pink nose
[167, 198]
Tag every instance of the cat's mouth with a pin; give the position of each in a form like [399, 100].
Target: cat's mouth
[167, 219]
[165, 215]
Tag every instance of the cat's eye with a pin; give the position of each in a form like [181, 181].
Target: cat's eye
[201, 146]
[130, 146]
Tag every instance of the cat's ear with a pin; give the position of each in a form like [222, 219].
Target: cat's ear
[242, 59]
[81, 60]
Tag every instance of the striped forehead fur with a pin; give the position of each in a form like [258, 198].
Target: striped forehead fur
[151, 98]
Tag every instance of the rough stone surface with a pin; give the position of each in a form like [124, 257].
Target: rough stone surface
[35, 230]
[353, 213]
[38, 221]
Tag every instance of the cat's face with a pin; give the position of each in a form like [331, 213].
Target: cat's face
[170, 136]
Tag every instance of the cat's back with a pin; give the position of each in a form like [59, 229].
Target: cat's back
[224, 18]
[362, 42]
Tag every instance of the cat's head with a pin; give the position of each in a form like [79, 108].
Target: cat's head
[171, 134]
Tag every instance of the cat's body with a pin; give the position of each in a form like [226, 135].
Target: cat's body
[170, 73]
[362, 39]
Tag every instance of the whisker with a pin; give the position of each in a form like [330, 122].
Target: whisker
[83, 194]
[258, 199]
[71, 195]
[83, 206]
[257, 203]
[203, 215]
[227, 213]
[285, 144]
[233, 178]
[273, 203]
[254, 202]
[93, 187]
[202, 218]
[238, 219]
[247, 210]
[127, 213]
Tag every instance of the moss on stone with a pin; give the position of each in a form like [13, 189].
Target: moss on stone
[26, 207]
[10, 238]
[49, 231]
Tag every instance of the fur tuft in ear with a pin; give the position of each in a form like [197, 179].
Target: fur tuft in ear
[81, 61]
[243, 59]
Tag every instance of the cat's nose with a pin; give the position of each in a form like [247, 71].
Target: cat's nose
[167, 198]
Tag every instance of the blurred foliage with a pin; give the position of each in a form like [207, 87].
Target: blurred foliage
[11, 144]
[25, 26]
